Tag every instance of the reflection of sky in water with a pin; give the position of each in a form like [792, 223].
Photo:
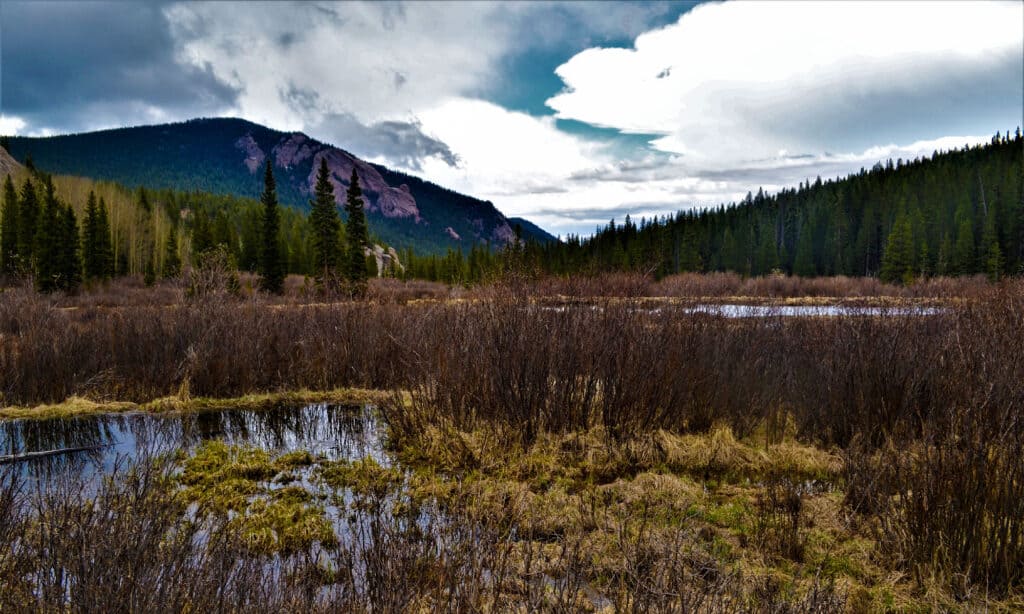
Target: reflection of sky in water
[769, 311]
[326, 430]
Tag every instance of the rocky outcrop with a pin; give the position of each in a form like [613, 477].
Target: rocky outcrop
[292, 150]
[387, 259]
[8, 165]
[254, 156]
[503, 234]
[295, 152]
[380, 197]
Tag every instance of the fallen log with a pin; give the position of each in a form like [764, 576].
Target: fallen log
[17, 458]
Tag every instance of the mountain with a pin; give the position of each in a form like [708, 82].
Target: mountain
[532, 231]
[225, 156]
[8, 165]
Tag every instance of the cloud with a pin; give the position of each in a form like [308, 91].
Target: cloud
[399, 143]
[373, 61]
[353, 65]
[504, 153]
[73, 66]
[742, 80]
[730, 97]
[10, 124]
[568, 184]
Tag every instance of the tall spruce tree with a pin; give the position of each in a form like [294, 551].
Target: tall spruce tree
[9, 230]
[28, 213]
[271, 261]
[172, 261]
[326, 226]
[90, 243]
[964, 259]
[46, 253]
[358, 237]
[803, 262]
[898, 258]
[69, 263]
[104, 246]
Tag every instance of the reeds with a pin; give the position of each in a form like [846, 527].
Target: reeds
[925, 409]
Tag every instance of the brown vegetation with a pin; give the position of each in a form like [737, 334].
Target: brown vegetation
[923, 411]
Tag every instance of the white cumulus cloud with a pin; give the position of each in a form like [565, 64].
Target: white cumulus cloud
[744, 80]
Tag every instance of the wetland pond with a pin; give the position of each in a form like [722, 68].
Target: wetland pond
[95, 444]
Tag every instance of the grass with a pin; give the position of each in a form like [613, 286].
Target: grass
[236, 482]
[77, 406]
[587, 486]
[762, 464]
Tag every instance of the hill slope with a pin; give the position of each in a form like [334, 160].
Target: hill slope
[224, 156]
[959, 212]
[532, 231]
[8, 165]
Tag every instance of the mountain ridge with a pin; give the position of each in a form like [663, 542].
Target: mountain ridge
[224, 156]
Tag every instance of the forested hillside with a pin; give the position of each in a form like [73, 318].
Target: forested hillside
[143, 232]
[955, 213]
[224, 156]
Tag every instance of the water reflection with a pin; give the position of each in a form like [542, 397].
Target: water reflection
[95, 444]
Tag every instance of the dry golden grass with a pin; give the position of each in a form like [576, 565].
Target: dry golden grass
[77, 406]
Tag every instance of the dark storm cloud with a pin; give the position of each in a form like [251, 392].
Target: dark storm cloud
[71, 65]
[402, 143]
[960, 97]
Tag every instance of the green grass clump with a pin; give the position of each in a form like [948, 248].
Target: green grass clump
[364, 477]
[236, 481]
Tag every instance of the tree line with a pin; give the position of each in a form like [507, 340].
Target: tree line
[959, 212]
[155, 232]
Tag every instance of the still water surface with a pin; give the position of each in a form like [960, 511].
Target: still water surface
[331, 431]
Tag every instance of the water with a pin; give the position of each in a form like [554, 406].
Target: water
[767, 311]
[331, 431]
[770, 311]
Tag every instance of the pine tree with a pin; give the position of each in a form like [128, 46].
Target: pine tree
[90, 244]
[104, 246]
[45, 249]
[803, 262]
[992, 257]
[898, 258]
[326, 226]
[994, 262]
[172, 262]
[28, 214]
[202, 233]
[924, 264]
[358, 237]
[271, 263]
[69, 262]
[963, 252]
[224, 234]
[9, 230]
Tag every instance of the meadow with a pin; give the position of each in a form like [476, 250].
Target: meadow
[564, 444]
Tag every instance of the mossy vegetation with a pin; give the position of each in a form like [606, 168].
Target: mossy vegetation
[183, 402]
[771, 517]
[237, 482]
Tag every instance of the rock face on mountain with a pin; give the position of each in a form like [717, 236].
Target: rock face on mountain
[226, 156]
[387, 260]
[389, 201]
[254, 156]
[8, 165]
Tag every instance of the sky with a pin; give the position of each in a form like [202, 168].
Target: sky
[566, 113]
